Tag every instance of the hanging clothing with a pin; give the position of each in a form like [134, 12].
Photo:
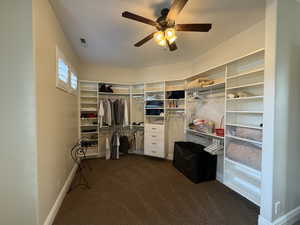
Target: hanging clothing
[108, 113]
[101, 113]
[107, 152]
[126, 114]
[115, 144]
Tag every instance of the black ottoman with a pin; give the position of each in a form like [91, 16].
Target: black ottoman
[195, 163]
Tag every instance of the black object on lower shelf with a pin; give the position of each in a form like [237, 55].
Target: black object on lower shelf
[195, 163]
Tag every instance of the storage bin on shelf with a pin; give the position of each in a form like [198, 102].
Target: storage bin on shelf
[248, 154]
[247, 133]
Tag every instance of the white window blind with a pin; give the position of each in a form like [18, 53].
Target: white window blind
[73, 81]
[63, 71]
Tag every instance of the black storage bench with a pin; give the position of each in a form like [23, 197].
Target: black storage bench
[195, 163]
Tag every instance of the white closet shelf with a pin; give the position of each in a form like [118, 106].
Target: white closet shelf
[158, 91]
[88, 96]
[88, 103]
[246, 98]
[245, 73]
[245, 169]
[154, 108]
[88, 90]
[107, 93]
[91, 125]
[88, 110]
[204, 134]
[244, 139]
[137, 93]
[176, 108]
[246, 85]
[89, 132]
[245, 126]
[246, 112]
[93, 118]
[208, 88]
[154, 116]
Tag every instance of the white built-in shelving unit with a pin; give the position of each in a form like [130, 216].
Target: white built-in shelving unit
[243, 117]
[88, 105]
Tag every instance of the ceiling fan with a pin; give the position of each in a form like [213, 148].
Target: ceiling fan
[166, 25]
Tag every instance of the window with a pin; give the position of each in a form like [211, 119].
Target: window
[73, 82]
[63, 71]
[66, 79]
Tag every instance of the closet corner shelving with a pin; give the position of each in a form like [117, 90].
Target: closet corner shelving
[237, 95]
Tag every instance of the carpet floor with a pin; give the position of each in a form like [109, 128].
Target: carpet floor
[136, 190]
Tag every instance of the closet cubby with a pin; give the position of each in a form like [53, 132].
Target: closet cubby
[155, 87]
[246, 65]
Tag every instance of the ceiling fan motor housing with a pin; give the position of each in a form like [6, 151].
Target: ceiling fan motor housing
[162, 20]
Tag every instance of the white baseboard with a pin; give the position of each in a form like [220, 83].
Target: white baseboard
[288, 219]
[263, 221]
[220, 178]
[51, 216]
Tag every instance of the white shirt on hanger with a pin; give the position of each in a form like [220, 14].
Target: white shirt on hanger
[126, 117]
[101, 113]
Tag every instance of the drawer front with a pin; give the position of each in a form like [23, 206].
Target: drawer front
[155, 152]
[154, 144]
[154, 129]
[154, 137]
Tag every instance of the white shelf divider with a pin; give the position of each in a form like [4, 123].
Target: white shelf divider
[245, 73]
[246, 86]
[244, 126]
[244, 139]
[246, 98]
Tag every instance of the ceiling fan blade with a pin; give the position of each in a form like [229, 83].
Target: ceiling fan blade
[172, 47]
[138, 18]
[146, 39]
[175, 9]
[193, 27]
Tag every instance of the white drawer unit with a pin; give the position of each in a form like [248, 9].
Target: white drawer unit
[154, 140]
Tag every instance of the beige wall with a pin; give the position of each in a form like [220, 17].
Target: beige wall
[239, 45]
[18, 172]
[96, 72]
[57, 111]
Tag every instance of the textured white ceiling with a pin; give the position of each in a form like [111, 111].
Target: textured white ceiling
[110, 37]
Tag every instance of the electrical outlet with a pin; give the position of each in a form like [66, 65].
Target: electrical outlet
[277, 208]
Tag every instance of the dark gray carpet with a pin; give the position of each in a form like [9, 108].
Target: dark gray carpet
[136, 190]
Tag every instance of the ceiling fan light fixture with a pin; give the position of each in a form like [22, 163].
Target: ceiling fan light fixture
[170, 35]
[160, 38]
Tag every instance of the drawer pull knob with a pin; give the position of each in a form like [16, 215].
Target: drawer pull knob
[154, 136]
[153, 151]
[154, 143]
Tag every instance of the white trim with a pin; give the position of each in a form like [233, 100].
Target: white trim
[288, 219]
[51, 216]
[263, 221]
